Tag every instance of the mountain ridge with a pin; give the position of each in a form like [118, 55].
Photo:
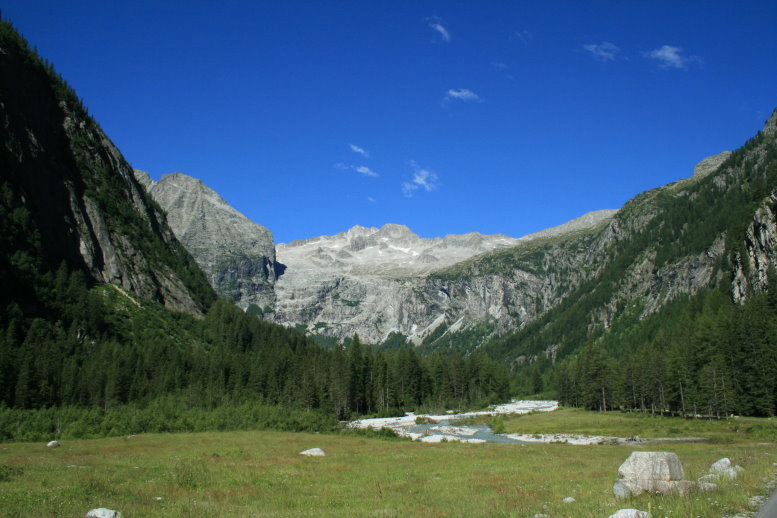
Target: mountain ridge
[236, 254]
[376, 282]
[81, 204]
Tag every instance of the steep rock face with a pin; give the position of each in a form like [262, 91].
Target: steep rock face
[79, 191]
[374, 282]
[757, 256]
[237, 255]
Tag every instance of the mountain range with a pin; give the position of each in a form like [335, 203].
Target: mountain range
[388, 284]
[370, 282]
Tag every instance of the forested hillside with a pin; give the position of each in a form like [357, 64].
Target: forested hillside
[680, 316]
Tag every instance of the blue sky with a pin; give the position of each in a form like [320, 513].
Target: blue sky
[449, 117]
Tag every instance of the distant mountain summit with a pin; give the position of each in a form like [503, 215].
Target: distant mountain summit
[236, 254]
[392, 250]
[377, 281]
[367, 281]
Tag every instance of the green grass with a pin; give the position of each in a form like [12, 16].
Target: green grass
[262, 474]
[619, 424]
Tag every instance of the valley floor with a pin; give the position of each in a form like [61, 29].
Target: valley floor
[263, 474]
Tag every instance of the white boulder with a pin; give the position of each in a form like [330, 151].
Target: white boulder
[720, 465]
[652, 465]
[724, 469]
[313, 452]
[103, 512]
[656, 472]
[53, 444]
[630, 513]
[569, 500]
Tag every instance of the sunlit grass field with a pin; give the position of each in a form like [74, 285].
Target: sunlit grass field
[262, 474]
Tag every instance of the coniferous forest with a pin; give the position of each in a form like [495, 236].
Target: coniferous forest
[699, 355]
[114, 367]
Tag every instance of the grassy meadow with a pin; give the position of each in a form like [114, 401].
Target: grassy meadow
[261, 473]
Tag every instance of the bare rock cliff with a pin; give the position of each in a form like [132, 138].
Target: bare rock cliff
[375, 282]
[80, 192]
[236, 254]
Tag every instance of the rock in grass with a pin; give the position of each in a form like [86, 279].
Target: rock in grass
[654, 471]
[652, 465]
[706, 486]
[723, 469]
[313, 452]
[569, 500]
[621, 490]
[103, 512]
[53, 444]
[720, 465]
[708, 478]
[630, 513]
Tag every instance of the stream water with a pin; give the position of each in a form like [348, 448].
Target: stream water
[438, 428]
[447, 430]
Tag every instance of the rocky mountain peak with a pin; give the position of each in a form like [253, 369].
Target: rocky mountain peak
[237, 255]
[710, 164]
[396, 231]
[358, 230]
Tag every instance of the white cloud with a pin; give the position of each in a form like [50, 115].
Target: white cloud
[499, 65]
[422, 179]
[366, 171]
[356, 149]
[462, 94]
[370, 199]
[362, 169]
[436, 25]
[668, 56]
[604, 51]
[523, 36]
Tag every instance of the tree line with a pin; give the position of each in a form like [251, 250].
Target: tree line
[701, 356]
[93, 349]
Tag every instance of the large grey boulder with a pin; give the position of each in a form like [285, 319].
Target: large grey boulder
[656, 472]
